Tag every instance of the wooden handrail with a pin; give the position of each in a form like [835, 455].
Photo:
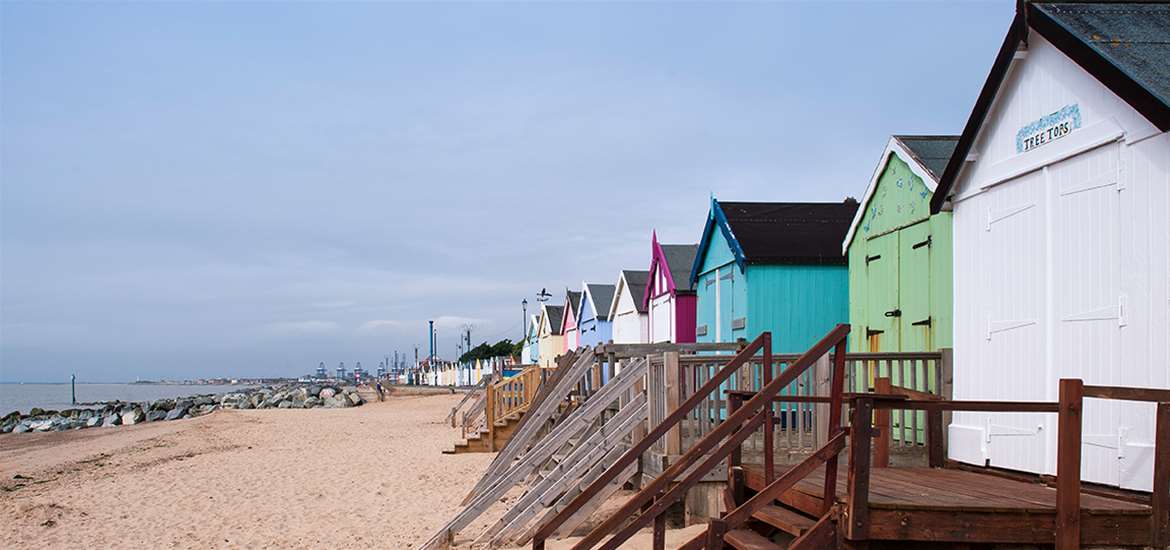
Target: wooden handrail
[636, 451]
[1125, 393]
[773, 491]
[679, 490]
[735, 419]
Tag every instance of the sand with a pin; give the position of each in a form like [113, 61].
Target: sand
[371, 476]
[345, 478]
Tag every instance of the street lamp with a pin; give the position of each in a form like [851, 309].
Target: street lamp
[524, 322]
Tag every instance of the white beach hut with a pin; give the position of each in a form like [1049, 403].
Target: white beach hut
[1059, 189]
[627, 311]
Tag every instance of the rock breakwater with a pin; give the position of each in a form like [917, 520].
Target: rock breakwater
[120, 413]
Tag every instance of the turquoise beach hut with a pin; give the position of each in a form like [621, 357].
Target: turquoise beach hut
[772, 266]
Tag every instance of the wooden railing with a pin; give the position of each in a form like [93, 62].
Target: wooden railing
[1069, 410]
[668, 488]
[512, 395]
[801, 426]
[1068, 459]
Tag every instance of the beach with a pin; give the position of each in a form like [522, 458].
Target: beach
[345, 478]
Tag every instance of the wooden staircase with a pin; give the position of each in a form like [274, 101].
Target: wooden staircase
[479, 442]
[757, 522]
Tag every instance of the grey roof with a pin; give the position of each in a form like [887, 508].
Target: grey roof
[636, 281]
[933, 152]
[573, 302]
[602, 294]
[1134, 37]
[680, 258]
[555, 314]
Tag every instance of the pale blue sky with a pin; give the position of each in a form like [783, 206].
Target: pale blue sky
[192, 189]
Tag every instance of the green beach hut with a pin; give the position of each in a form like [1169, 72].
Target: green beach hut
[900, 254]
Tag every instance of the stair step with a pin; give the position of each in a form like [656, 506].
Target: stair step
[793, 523]
[746, 539]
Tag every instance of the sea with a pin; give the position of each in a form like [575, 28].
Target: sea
[23, 397]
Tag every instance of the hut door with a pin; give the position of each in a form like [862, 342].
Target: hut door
[915, 324]
[1087, 302]
[881, 278]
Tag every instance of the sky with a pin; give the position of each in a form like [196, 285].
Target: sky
[248, 189]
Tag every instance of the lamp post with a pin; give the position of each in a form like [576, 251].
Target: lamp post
[524, 322]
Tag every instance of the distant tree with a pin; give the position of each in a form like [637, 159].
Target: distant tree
[484, 351]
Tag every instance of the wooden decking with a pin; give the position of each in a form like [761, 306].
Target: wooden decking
[950, 505]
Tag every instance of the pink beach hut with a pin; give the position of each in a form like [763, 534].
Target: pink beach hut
[670, 298]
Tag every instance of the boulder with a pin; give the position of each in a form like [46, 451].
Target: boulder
[93, 421]
[176, 413]
[112, 420]
[132, 416]
[313, 390]
[312, 402]
[156, 415]
[286, 404]
[354, 398]
[163, 405]
[21, 428]
[36, 411]
[326, 393]
[41, 425]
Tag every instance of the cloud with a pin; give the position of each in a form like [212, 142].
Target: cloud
[301, 327]
[377, 325]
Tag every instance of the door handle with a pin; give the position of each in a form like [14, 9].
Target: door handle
[894, 313]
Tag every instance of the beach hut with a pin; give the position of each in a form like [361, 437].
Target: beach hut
[772, 266]
[593, 322]
[669, 298]
[569, 323]
[899, 254]
[530, 353]
[1058, 188]
[551, 340]
[627, 310]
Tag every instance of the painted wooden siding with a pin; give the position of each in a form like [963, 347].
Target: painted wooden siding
[628, 326]
[798, 303]
[1062, 269]
[661, 318]
[592, 331]
[721, 299]
[898, 275]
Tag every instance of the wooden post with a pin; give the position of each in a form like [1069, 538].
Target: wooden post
[881, 421]
[659, 541]
[837, 389]
[769, 445]
[946, 372]
[822, 377]
[715, 531]
[489, 411]
[936, 451]
[1160, 501]
[670, 376]
[735, 472]
[1068, 465]
[859, 449]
